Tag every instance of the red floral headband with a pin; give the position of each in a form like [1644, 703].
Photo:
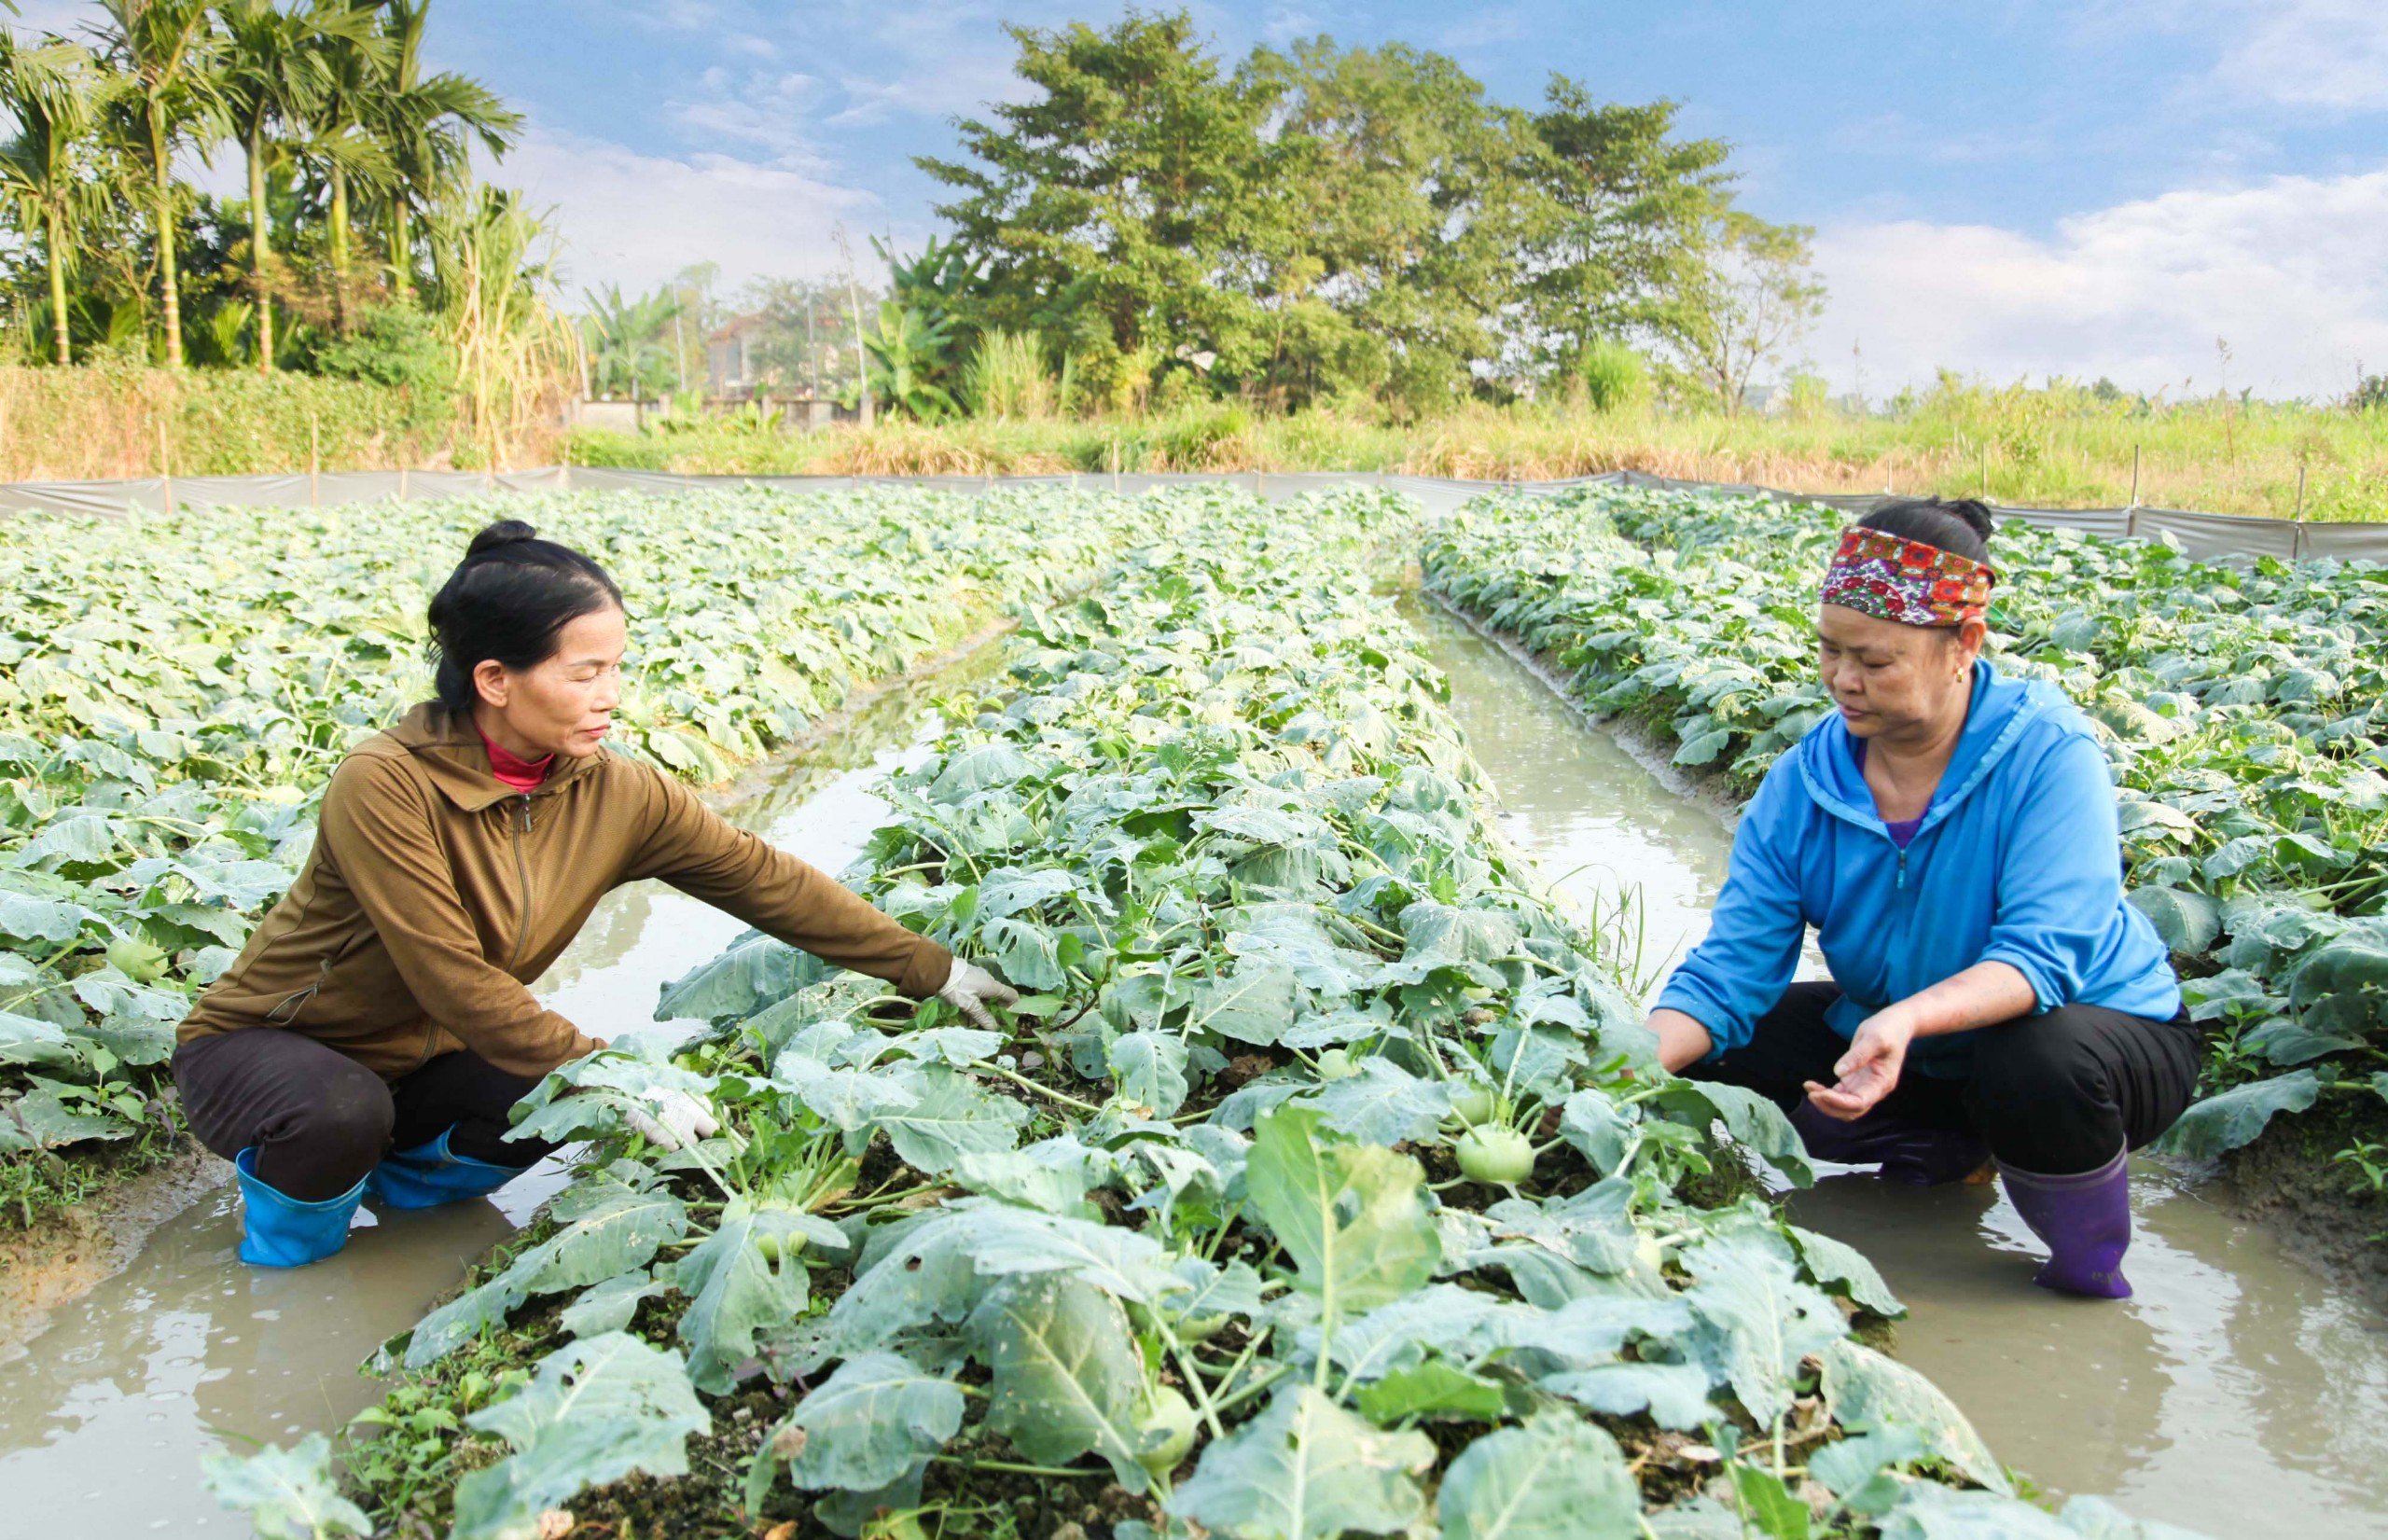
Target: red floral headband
[1878, 573]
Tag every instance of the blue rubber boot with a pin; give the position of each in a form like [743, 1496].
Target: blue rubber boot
[278, 1231]
[431, 1175]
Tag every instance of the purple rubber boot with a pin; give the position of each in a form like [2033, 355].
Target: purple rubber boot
[1913, 1154]
[2085, 1220]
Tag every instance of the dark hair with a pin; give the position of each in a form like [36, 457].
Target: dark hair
[1961, 526]
[507, 600]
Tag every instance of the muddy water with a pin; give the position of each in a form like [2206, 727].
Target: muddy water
[2237, 1394]
[104, 1418]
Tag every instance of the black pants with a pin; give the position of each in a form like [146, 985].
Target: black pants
[2058, 1093]
[321, 1120]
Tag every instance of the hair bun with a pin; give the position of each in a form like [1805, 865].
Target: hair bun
[506, 531]
[1975, 513]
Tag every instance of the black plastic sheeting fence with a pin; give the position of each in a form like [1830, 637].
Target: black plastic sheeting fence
[2205, 536]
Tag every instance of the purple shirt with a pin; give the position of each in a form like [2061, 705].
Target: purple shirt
[1902, 829]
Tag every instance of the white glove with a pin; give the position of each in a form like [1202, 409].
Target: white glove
[970, 989]
[675, 1121]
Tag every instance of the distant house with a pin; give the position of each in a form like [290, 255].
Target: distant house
[729, 358]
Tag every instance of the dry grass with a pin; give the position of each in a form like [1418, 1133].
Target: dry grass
[2025, 449]
[101, 422]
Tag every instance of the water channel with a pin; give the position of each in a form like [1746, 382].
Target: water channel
[2238, 1394]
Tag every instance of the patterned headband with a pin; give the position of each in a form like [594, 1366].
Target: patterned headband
[1878, 573]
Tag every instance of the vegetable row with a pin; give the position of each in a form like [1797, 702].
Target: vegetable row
[2242, 711]
[1323, 1184]
[172, 694]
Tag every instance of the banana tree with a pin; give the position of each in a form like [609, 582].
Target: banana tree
[906, 351]
[626, 350]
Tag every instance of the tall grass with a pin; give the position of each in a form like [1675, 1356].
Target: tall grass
[1007, 377]
[2028, 448]
[106, 420]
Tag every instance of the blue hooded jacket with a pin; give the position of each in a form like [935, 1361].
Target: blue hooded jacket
[2017, 860]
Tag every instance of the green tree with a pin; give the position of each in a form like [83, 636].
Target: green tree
[426, 126]
[1753, 296]
[627, 354]
[277, 77]
[1617, 235]
[167, 52]
[54, 92]
[1385, 254]
[1106, 208]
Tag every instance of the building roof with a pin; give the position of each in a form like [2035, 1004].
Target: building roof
[729, 330]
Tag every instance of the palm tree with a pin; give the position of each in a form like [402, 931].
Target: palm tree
[360, 74]
[54, 91]
[425, 125]
[167, 52]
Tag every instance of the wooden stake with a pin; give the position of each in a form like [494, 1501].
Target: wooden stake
[314, 462]
[2300, 488]
[2134, 476]
[402, 483]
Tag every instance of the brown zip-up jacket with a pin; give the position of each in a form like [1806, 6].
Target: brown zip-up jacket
[436, 893]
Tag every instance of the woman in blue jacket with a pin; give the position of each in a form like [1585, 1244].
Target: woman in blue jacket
[1951, 835]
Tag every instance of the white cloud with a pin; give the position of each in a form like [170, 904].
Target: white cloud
[636, 219]
[2288, 271]
[2330, 54]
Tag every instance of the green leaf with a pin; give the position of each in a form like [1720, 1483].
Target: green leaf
[1149, 1069]
[1760, 1320]
[620, 1232]
[2223, 1123]
[1003, 1240]
[865, 1427]
[1067, 1374]
[1383, 1103]
[1436, 1388]
[287, 1494]
[2188, 921]
[980, 768]
[1769, 1505]
[1703, 748]
[1255, 1004]
[1555, 1477]
[2095, 1519]
[1866, 1390]
[1675, 1396]
[594, 1412]
[1927, 1512]
[27, 1040]
[1752, 1122]
[735, 1291]
[1306, 1469]
[610, 1305]
[1830, 1262]
[952, 1117]
[1351, 1216]
[1438, 933]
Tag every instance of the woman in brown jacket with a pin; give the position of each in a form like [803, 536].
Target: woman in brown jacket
[377, 1028]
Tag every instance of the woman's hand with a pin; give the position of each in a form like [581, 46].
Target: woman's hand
[1869, 1070]
[971, 989]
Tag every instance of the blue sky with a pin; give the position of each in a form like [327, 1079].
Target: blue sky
[2005, 188]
